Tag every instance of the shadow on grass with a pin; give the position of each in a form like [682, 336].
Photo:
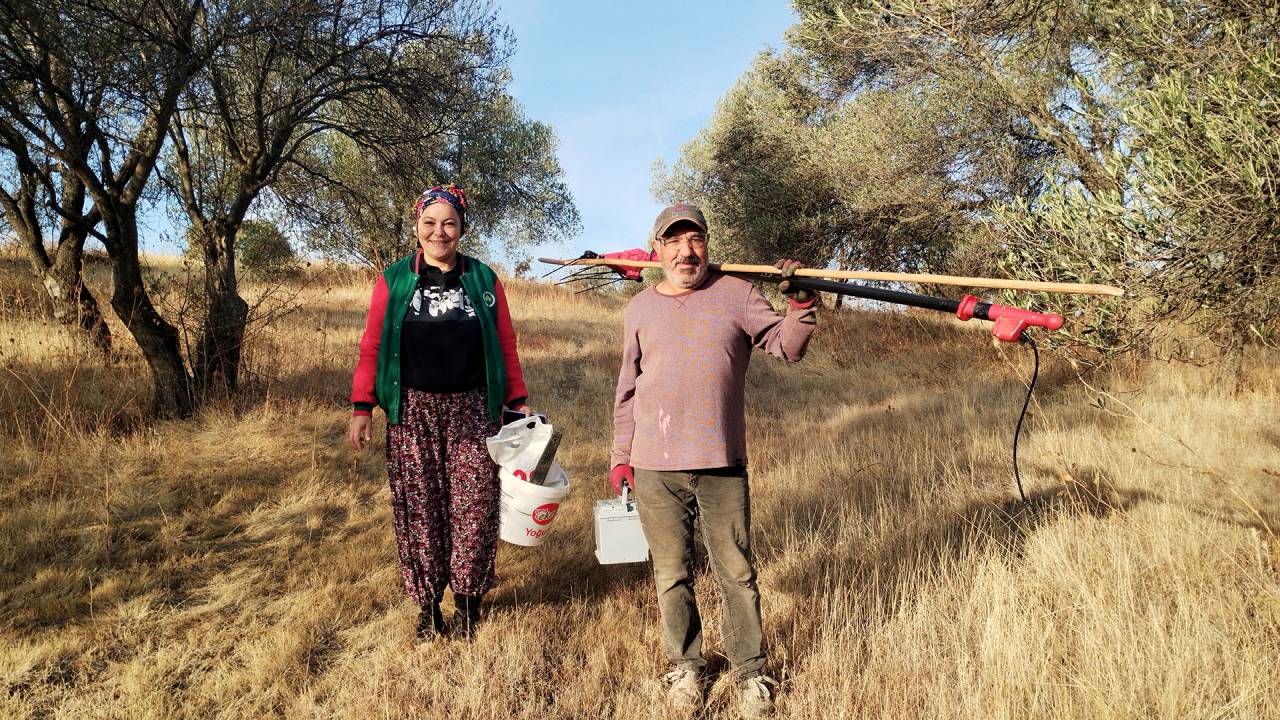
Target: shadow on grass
[1272, 436]
[566, 570]
[924, 381]
[925, 549]
[163, 540]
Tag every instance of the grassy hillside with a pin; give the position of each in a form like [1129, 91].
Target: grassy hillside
[242, 564]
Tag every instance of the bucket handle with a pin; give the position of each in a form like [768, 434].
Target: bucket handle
[533, 418]
[626, 504]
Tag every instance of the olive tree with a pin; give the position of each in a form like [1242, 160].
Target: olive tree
[1193, 230]
[354, 203]
[93, 86]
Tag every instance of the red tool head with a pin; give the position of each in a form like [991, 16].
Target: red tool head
[630, 273]
[1009, 321]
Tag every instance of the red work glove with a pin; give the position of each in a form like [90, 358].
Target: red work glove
[620, 474]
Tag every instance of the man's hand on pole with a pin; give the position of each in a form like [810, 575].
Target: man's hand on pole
[619, 474]
[788, 268]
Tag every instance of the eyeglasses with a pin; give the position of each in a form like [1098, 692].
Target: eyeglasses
[696, 241]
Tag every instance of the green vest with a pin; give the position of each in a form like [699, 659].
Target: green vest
[478, 282]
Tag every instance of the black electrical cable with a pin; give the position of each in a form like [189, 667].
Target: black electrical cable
[1017, 432]
[932, 303]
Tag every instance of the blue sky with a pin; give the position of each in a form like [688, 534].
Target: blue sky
[624, 85]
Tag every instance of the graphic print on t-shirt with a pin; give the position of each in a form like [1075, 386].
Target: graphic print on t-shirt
[442, 338]
[441, 304]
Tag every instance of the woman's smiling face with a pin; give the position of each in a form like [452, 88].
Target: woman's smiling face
[439, 229]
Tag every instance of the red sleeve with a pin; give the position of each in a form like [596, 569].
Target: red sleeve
[507, 338]
[362, 383]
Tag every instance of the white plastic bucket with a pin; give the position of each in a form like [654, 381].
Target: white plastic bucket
[527, 510]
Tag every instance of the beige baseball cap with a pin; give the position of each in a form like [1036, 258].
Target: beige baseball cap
[674, 214]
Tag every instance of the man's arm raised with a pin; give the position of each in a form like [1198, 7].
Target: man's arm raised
[787, 336]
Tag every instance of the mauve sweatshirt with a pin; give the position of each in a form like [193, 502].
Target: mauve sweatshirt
[679, 401]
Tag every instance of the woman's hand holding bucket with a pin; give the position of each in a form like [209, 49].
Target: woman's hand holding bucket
[512, 414]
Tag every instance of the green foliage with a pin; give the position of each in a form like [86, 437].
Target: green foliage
[1193, 233]
[508, 164]
[783, 171]
[347, 205]
[264, 251]
[1067, 140]
[883, 135]
[355, 204]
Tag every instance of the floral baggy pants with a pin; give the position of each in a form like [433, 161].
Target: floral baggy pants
[444, 493]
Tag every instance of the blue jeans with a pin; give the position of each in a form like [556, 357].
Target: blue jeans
[668, 503]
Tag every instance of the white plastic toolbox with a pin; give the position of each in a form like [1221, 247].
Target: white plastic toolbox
[619, 538]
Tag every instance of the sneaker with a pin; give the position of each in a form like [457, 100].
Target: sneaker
[754, 698]
[684, 689]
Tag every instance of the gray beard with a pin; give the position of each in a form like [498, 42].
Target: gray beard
[683, 282]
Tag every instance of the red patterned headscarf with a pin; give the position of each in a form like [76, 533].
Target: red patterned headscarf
[451, 194]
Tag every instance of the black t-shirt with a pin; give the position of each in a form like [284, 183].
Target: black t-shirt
[440, 342]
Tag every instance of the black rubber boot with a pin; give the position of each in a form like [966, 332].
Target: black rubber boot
[467, 614]
[431, 623]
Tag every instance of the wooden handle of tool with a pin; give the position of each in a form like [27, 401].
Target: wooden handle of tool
[992, 283]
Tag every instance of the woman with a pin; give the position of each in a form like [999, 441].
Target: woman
[439, 356]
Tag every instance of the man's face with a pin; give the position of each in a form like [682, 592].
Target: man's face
[683, 251]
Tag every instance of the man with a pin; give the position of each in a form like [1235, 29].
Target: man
[679, 440]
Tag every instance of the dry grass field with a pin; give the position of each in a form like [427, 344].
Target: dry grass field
[241, 564]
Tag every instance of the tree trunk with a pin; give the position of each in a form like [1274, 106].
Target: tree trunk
[62, 276]
[157, 339]
[73, 304]
[217, 361]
